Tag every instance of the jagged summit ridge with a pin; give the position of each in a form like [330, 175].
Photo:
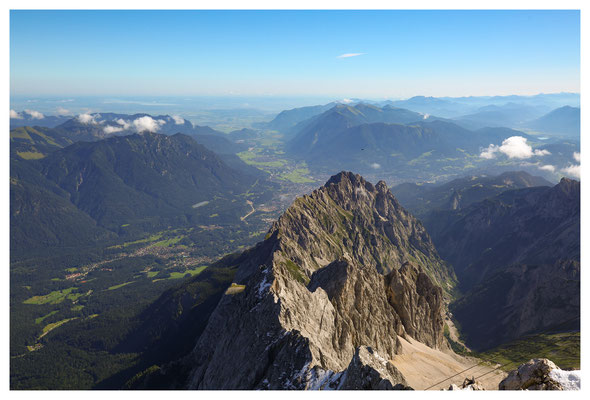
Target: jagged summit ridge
[343, 269]
[349, 213]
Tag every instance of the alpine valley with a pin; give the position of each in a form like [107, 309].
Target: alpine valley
[426, 243]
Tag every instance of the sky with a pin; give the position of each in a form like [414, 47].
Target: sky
[364, 54]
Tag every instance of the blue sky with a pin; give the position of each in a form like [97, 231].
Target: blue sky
[259, 53]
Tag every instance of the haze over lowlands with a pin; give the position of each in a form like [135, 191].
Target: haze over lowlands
[295, 200]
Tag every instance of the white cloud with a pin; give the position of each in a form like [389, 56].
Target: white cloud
[572, 170]
[62, 111]
[346, 101]
[426, 116]
[125, 124]
[15, 115]
[112, 129]
[178, 120]
[513, 147]
[490, 152]
[541, 152]
[87, 118]
[375, 166]
[348, 55]
[577, 156]
[550, 168]
[35, 114]
[147, 124]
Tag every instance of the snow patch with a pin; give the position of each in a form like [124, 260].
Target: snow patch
[569, 380]
[379, 358]
[320, 379]
[263, 286]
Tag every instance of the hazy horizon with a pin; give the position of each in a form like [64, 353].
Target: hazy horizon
[56, 105]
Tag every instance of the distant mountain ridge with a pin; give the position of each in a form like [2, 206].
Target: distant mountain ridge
[100, 126]
[145, 180]
[453, 107]
[462, 192]
[287, 119]
[563, 121]
[513, 115]
[32, 118]
[323, 127]
[368, 139]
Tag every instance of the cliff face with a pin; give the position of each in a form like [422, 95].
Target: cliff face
[340, 276]
[538, 225]
[519, 300]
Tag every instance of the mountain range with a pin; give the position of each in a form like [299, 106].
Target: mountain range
[354, 286]
[373, 140]
[145, 180]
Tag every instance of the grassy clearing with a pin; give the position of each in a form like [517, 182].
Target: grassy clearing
[249, 158]
[77, 307]
[54, 297]
[561, 348]
[152, 238]
[35, 347]
[41, 319]
[296, 272]
[235, 289]
[21, 133]
[193, 272]
[421, 158]
[120, 285]
[255, 234]
[169, 242]
[151, 274]
[48, 328]
[298, 175]
[30, 155]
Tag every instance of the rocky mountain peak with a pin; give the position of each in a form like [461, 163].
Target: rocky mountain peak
[350, 218]
[342, 270]
[569, 187]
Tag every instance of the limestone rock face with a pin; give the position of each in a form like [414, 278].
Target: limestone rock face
[418, 302]
[533, 375]
[369, 371]
[314, 310]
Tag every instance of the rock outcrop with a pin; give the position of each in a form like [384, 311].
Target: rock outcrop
[533, 375]
[340, 276]
[468, 384]
[369, 371]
